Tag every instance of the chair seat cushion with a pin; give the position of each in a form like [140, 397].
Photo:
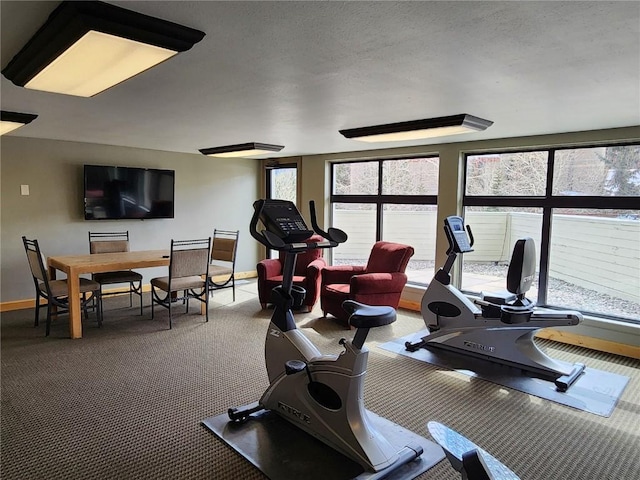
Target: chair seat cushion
[59, 288]
[215, 270]
[121, 276]
[180, 283]
[277, 280]
[340, 289]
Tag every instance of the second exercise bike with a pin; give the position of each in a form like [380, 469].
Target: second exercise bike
[497, 328]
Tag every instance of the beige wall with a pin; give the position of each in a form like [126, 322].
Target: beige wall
[210, 193]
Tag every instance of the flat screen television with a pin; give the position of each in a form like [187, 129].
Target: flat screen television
[112, 193]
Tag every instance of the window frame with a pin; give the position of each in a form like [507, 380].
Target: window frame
[547, 203]
[380, 200]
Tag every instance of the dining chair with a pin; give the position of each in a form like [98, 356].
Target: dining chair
[114, 242]
[56, 292]
[188, 273]
[223, 260]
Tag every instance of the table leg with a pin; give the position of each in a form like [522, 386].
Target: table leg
[75, 318]
[52, 276]
[203, 306]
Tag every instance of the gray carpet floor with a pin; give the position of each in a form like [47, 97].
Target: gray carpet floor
[126, 401]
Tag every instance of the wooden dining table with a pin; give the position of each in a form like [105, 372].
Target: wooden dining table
[75, 265]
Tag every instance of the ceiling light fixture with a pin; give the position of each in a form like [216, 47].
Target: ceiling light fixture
[85, 48]
[241, 150]
[418, 129]
[9, 121]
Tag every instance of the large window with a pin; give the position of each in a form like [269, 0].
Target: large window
[393, 200]
[581, 207]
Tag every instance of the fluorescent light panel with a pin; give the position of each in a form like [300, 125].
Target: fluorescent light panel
[418, 129]
[96, 62]
[6, 127]
[9, 121]
[241, 150]
[85, 48]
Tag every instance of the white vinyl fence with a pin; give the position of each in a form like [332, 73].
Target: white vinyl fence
[601, 254]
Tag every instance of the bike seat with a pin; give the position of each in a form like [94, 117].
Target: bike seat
[368, 316]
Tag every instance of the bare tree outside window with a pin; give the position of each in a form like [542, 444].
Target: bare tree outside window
[412, 176]
[579, 172]
[623, 170]
[284, 184]
[507, 174]
[355, 178]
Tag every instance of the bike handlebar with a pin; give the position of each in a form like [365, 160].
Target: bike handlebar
[333, 234]
[332, 238]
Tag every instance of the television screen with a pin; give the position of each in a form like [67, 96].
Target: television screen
[126, 192]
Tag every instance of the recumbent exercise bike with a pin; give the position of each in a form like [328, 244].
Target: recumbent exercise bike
[498, 328]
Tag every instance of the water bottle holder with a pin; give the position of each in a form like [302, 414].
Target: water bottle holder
[298, 294]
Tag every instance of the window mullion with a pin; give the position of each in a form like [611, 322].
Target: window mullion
[379, 203]
[545, 238]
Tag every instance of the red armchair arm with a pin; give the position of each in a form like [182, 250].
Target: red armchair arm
[340, 273]
[372, 283]
[269, 268]
[314, 277]
[315, 267]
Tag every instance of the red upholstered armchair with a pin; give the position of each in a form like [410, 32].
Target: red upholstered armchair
[380, 282]
[307, 275]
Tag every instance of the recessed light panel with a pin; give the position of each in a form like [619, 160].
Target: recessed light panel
[241, 150]
[85, 48]
[9, 121]
[418, 129]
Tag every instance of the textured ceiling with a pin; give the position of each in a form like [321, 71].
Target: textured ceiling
[294, 73]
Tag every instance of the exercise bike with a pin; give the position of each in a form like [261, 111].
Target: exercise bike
[321, 394]
[498, 328]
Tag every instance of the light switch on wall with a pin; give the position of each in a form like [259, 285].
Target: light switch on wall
[24, 189]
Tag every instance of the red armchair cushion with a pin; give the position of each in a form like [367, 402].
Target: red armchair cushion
[336, 288]
[389, 257]
[378, 282]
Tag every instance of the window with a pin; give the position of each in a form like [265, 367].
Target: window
[393, 200]
[282, 182]
[581, 207]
